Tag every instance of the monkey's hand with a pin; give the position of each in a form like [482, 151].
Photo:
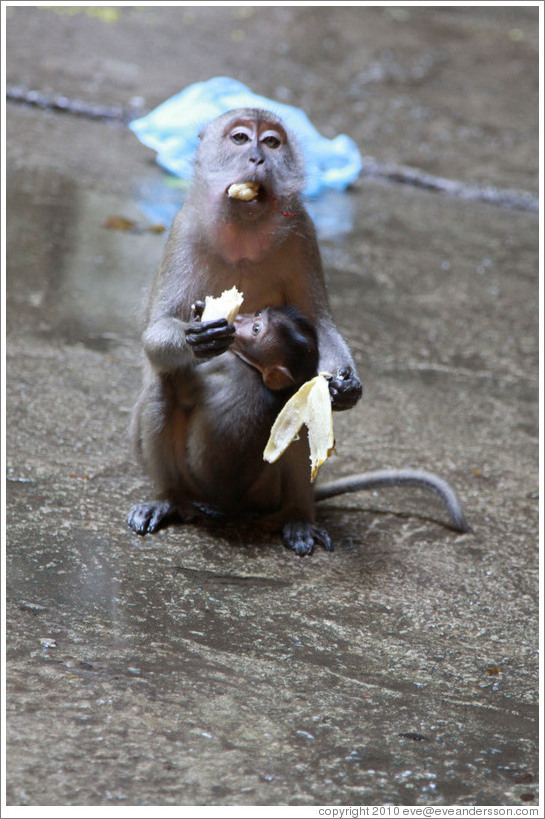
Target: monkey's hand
[209, 338]
[345, 389]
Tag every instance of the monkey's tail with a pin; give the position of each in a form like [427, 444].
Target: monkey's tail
[399, 477]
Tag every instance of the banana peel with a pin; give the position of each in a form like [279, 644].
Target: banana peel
[311, 405]
[225, 306]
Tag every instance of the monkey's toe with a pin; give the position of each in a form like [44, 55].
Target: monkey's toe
[301, 537]
[139, 518]
[147, 518]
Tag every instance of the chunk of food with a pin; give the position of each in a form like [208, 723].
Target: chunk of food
[311, 405]
[225, 306]
[243, 190]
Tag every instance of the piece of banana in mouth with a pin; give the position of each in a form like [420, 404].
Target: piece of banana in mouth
[246, 191]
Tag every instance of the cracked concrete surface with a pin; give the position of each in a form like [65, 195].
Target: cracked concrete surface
[209, 666]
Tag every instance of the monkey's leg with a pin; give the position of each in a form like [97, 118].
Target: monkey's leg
[159, 431]
[296, 517]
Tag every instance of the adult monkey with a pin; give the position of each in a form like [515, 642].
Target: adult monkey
[265, 244]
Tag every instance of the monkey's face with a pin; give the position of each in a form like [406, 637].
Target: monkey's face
[248, 158]
[253, 336]
[258, 343]
[280, 343]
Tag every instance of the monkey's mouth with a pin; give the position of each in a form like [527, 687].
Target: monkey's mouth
[245, 191]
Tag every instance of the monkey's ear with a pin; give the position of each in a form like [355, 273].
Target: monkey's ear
[277, 377]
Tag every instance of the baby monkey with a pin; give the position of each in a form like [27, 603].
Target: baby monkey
[223, 403]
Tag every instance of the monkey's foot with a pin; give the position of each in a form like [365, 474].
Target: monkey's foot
[302, 537]
[147, 518]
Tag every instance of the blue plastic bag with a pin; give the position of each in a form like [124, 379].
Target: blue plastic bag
[173, 128]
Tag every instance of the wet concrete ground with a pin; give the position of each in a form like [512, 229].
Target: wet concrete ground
[212, 666]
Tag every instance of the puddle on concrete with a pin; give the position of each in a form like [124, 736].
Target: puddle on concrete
[71, 279]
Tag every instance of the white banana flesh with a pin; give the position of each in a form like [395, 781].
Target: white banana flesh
[311, 405]
[243, 190]
[225, 306]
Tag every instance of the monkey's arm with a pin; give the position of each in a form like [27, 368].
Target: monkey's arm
[309, 292]
[172, 345]
[344, 387]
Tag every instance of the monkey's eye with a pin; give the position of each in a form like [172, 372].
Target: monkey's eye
[257, 313]
[255, 329]
[271, 141]
[239, 137]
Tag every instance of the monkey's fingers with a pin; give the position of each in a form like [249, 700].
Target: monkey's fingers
[301, 537]
[210, 338]
[205, 351]
[345, 390]
[197, 310]
[198, 327]
[209, 332]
